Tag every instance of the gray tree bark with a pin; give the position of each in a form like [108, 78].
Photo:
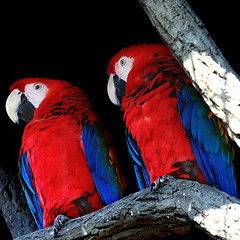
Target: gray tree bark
[191, 44]
[145, 215]
[178, 204]
[13, 206]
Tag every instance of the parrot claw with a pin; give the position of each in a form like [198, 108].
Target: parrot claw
[160, 181]
[59, 221]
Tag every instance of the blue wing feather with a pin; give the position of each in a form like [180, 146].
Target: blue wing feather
[31, 196]
[142, 176]
[209, 145]
[103, 171]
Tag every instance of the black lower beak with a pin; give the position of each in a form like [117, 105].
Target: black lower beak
[120, 87]
[25, 109]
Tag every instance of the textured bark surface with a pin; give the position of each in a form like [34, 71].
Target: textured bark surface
[145, 215]
[189, 41]
[179, 204]
[13, 206]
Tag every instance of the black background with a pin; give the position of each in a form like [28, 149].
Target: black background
[75, 41]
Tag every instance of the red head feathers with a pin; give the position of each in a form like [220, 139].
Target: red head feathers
[67, 164]
[45, 97]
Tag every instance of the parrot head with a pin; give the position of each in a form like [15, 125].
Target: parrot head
[27, 96]
[133, 67]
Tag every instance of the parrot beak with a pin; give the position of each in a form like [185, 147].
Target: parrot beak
[18, 106]
[116, 89]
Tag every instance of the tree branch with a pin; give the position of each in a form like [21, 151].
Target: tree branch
[189, 41]
[13, 206]
[180, 203]
[169, 211]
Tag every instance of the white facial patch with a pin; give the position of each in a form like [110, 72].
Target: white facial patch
[35, 93]
[123, 67]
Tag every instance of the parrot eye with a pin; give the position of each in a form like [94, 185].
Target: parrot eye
[122, 62]
[37, 86]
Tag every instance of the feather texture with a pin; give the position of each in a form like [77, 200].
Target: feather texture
[101, 163]
[142, 176]
[68, 165]
[170, 128]
[208, 139]
[31, 196]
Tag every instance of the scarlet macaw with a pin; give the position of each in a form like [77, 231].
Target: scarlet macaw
[67, 164]
[169, 128]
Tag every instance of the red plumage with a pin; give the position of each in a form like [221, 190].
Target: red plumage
[150, 111]
[53, 151]
[59, 171]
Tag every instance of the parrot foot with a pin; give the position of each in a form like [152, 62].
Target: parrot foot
[59, 221]
[160, 181]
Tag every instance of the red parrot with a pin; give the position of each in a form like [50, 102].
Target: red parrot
[169, 128]
[67, 164]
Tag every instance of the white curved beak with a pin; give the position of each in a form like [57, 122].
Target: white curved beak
[12, 104]
[111, 89]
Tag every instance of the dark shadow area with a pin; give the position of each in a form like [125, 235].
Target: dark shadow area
[75, 43]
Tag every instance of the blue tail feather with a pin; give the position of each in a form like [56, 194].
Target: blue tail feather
[31, 196]
[210, 148]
